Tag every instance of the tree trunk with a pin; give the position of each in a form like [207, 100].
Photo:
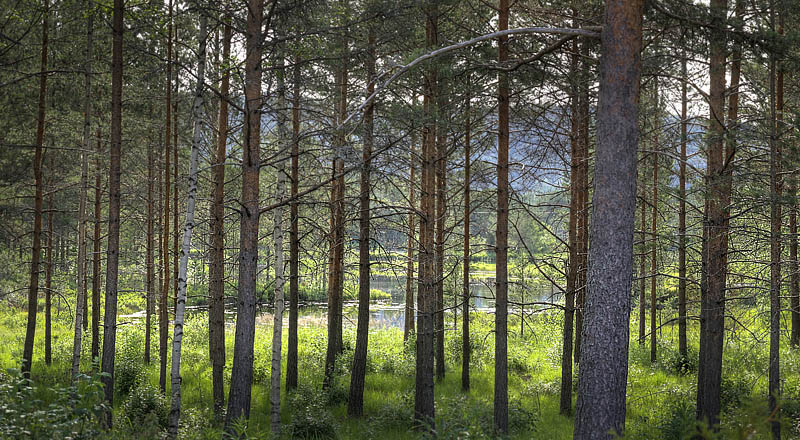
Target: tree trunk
[280, 280]
[408, 325]
[582, 221]
[48, 281]
[294, 233]
[355, 404]
[180, 310]
[163, 313]
[466, 347]
[96, 256]
[682, 215]
[336, 286]
[114, 173]
[424, 410]
[501, 246]
[718, 192]
[441, 213]
[654, 243]
[36, 255]
[216, 271]
[80, 307]
[603, 374]
[242, 370]
[642, 274]
[776, 190]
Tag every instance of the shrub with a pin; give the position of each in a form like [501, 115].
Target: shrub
[146, 409]
[310, 417]
[59, 412]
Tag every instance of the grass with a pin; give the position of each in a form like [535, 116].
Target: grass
[660, 395]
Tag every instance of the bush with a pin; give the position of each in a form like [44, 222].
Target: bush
[59, 412]
[129, 364]
[310, 417]
[146, 409]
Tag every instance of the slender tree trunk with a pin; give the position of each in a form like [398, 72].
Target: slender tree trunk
[501, 242]
[36, 255]
[355, 404]
[602, 378]
[149, 253]
[713, 305]
[48, 282]
[776, 190]
[441, 213]
[565, 407]
[180, 310]
[682, 214]
[175, 186]
[242, 370]
[112, 259]
[96, 255]
[408, 327]
[80, 307]
[466, 347]
[424, 409]
[654, 243]
[216, 271]
[280, 279]
[294, 233]
[163, 313]
[642, 274]
[336, 286]
[582, 221]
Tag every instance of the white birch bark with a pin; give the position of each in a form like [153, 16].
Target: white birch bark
[180, 310]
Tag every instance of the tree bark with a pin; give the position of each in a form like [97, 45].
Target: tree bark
[80, 307]
[36, 255]
[96, 255]
[682, 348]
[355, 404]
[294, 233]
[216, 271]
[163, 313]
[408, 325]
[441, 213]
[501, 241]
[712, 315]
[180, 310]
[112, 258]
[242, 370]
[466, 347]
[424, 409]
[48, 281]
[603, 374]
[654, 243]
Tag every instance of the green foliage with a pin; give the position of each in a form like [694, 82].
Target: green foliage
[146, 410]
[58, 412]
[311, 418]
[129, 362]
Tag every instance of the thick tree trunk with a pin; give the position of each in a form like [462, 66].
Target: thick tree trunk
[114, 173]
[180, 310]
[96, 256]
[501, 242]
[603, 374]
[242, 370]
[682, 349]
[712, 316]
[163, 313]
[466, 347]
[294, 233]
[355, 404]
[80, 307]
[36, 255]
[216, 271]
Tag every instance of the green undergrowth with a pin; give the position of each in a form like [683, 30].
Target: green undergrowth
[660, 397]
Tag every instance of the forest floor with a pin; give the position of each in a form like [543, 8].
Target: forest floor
[661, 395]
